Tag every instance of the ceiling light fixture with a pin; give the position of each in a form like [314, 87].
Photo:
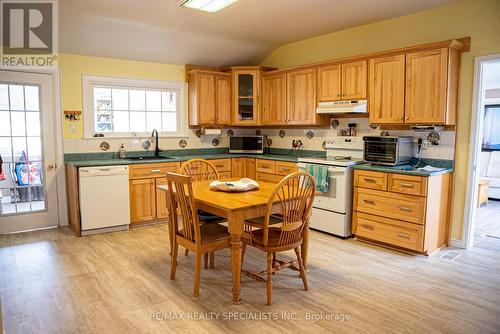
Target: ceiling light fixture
[211, 6]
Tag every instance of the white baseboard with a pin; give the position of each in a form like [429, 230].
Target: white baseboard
[457, 243]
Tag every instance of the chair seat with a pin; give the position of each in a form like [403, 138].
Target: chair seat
[259, 221]
[212, 233]
[207, 217]
[273, 237]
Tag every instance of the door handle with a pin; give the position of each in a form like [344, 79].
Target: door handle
[51, 166]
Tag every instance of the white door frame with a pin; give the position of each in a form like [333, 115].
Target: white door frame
[475, 141]
[55, 74]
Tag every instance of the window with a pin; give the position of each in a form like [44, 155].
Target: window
[491, 134]
[126, 108]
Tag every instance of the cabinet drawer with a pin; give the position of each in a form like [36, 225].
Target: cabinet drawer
[225, 175]
[371, 180]
[407, 184]
[389, 231]
[391, 205]
[222, 165]
[141, 171]
[267, 177]
[265, 166]
[285, 168]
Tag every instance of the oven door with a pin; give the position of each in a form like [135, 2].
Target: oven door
[380, 152]
[335, 199]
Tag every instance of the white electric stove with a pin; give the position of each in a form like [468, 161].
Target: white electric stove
[332, 209]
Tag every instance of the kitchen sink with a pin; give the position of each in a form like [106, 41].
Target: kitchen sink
[148, 158]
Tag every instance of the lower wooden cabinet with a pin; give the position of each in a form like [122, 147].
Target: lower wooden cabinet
[273, 171]
[161, 199]
[405, 211]
[237, 168]
[142, 200]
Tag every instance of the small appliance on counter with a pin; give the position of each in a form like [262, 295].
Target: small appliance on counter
[247, 144]
[388, 150]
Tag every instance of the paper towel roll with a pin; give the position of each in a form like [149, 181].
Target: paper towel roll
[213, 132]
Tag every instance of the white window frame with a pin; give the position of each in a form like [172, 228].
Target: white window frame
[88, 81]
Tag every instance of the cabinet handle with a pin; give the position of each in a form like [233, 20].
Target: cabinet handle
[155, 170]
[368, 227]
[400, 118]
[407, 185]
[264, 166]
[370, 180]
[407, 118]
[368, 201]
[405, 208]
[285, 169]
[404, 235]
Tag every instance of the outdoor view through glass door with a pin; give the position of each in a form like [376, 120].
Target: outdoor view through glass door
[27, 181]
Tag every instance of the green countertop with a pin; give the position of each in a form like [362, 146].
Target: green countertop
[107, 159]
[446, 165]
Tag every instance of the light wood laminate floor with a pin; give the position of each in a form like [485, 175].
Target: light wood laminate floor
[487, 226]
[52, 282]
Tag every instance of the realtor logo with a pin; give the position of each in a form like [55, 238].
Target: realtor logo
[28, 34]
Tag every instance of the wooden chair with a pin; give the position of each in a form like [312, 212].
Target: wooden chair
[202, 170]
[199, 238]
[282, 228]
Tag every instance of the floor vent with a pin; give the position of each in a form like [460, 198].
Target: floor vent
[450, 255]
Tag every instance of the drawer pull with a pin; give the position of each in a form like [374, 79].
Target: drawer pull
[404, 235]
[219, 166]
[407, 185]
[264, 166]
[405, 208]
[368, 201]
[368, 227]
[155, 170]
[370, 180]
[285, 169]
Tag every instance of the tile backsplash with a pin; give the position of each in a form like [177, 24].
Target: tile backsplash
[445, 149]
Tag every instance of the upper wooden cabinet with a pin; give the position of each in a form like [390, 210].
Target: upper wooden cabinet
[387, 89]
[354, 80]
[431, 86]
[246, 87]
[329, 83]
[274, 93]
[301, 88]
[209, 98]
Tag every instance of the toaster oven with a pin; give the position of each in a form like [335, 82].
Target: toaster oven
[389, 151]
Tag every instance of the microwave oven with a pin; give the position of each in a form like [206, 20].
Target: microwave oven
[389, 151]
[246, 144]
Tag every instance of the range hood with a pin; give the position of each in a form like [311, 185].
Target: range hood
[342, 107]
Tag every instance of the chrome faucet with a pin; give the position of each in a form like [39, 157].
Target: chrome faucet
[154, 139]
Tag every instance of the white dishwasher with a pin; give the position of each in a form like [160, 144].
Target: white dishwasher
[104, 199]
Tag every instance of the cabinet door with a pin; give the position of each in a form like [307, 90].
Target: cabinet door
[387, 90]
[274, 99]
[142, 200]
[426, 80]
[161, 199]
[223, 99]
[237, 168]
[205, 98]
[301, 87]
[354, 80]
[250, 168]
[329, 83]
[245, 97]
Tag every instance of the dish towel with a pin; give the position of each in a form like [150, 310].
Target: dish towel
[320, 175]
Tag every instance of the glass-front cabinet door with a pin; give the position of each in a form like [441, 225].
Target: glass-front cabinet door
[245, 92]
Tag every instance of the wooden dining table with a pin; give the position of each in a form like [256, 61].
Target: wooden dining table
[236, 207]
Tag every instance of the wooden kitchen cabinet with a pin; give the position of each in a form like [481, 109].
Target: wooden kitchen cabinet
[427, 86]
[329, 83]
[301, 88]
[237, 168]
[250, 168]
[209, 98]
[274, 95]
[273, 171]
[387, 90]
[406, 211]
[354, 80]
[142, 200]
[161, 199]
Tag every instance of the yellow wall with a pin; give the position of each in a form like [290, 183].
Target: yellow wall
[73, 66]
[479, 19]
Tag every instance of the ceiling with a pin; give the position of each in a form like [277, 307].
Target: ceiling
[243, 33]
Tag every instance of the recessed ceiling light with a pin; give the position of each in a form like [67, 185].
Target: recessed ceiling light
[211, 6]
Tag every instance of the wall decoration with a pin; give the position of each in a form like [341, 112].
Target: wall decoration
[324, 144]
[258, 132]
[215, 142]
[384, 133]
[282, 133]
[146, 144]
[373, 126]
[433, 138]
[334, 123]
[269, 142]
[310, 134]
[183, 143]
[104, 146]
[200, 132]
[230, 133]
